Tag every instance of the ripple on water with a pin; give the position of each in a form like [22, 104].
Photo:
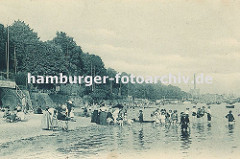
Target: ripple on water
[216, 140]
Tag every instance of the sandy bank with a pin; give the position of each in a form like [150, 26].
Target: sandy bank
[32, 127]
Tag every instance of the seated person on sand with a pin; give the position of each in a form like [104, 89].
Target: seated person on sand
[12, 117]
[1, 113]
[20, 115]
[6, 112]
[61, 115]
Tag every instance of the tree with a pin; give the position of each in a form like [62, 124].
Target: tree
[63, 55]
[93, 65]
[71, 51]
[25, 41]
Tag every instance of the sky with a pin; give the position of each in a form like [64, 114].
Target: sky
[146, 37]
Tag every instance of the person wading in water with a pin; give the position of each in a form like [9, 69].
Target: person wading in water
[230, 117]
[140, 116]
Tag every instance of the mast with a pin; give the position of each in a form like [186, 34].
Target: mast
[15, 60]
[6, 55]
[195, 81]
[128, 90]
[120, 89]
[91, 74]
[94, 74]
[8, 52]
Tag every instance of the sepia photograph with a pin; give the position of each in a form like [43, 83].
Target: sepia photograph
[119, 79]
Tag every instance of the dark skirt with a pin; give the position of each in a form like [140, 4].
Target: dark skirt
[209, 118]
[94, 116]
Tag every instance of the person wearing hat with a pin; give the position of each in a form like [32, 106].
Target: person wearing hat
[230, 117]
[187, 111]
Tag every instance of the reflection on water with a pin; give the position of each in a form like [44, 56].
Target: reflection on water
[200, 128]
[186, 140]
[216, 139]
[230, 128]
[209, 129]
[141, 137]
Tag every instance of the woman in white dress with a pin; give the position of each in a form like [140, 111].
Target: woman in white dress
[46, 120]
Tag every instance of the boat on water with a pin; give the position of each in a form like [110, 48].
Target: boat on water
[230, 106]
[144, 121]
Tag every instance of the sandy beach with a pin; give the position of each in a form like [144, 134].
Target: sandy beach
[32, 127]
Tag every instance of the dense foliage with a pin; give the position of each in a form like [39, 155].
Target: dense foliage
[63, 55]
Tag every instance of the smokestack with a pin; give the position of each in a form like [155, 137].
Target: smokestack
[195, 81]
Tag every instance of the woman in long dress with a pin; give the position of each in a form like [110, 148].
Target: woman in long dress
[46, 120]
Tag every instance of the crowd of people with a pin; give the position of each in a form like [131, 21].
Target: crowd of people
[110, 116]
[13, 114]
[172, 117]
[199, 114]
[52, 116]
[118, 116]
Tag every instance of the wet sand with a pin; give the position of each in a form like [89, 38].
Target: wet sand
[10, 132]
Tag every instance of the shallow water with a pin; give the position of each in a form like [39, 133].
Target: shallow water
[204, 140]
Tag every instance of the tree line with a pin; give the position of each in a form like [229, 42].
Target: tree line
[62, 55]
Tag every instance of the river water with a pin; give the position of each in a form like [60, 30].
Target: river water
[217, 140]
